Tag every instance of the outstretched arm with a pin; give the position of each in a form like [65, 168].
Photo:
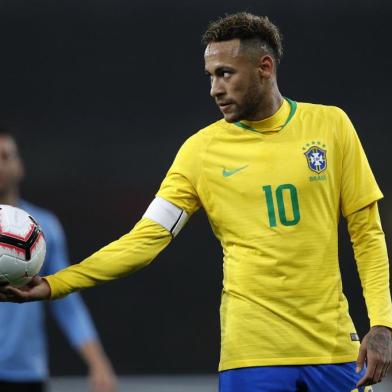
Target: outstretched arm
[372, 260]
[177, 199]
[128, 254]
[120, 258]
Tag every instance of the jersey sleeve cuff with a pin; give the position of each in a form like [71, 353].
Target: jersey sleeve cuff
[50, 280]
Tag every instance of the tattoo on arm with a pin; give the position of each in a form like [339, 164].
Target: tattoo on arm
[380, 341]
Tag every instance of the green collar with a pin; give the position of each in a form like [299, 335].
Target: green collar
[293, 109]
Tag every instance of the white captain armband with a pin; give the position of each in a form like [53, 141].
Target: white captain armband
[167, 215]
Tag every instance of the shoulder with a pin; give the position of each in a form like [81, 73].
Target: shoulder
[190, 156]
[331, 118]
[202, 137]
[193, 148]
[327, 111]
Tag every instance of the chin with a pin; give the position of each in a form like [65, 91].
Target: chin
[231, 117]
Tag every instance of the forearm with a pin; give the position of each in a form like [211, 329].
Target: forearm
[93, 354]
[372, 260]
[101, 374]
[120, 258]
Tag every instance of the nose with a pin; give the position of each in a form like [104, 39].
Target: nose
[217, 88]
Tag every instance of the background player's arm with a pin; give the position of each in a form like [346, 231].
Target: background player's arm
[102, 377]
[372, 261]
[74, 319]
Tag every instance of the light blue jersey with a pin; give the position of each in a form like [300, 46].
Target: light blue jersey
[23, 351]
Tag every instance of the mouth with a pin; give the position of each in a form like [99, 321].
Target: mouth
[225, 106]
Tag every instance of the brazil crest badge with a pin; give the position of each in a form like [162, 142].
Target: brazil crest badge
[317, 159]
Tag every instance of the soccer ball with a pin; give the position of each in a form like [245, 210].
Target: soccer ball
[22, 246]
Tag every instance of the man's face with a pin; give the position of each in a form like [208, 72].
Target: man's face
[11, 170]
[236, 84]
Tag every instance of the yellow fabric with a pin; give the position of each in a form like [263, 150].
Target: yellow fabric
[276, 218]
[122, 257]
[371, 256]
[282, 300]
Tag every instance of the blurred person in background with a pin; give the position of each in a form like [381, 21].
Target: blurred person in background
[23, 346]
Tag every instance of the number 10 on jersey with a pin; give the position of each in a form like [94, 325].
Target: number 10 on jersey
[282, 209]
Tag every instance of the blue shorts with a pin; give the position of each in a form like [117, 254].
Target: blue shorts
[307, 378]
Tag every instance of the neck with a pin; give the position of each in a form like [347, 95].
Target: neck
[10, 198]
[269, 105]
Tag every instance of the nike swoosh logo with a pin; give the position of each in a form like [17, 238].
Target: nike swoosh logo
[228, 173]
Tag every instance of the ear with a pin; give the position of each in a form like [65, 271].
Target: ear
[266, 66]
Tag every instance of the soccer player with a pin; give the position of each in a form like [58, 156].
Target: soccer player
[274, 176]
[23, 354]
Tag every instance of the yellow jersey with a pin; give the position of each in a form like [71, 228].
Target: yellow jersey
[273, 191]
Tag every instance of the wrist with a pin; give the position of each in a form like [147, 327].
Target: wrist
[49, 290]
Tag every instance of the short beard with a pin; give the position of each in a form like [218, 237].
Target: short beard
[253, 100]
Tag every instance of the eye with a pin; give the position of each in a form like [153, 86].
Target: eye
[225, 73]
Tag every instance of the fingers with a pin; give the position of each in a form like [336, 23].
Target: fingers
[385, 370]
[376, 347]
[16, 293]
[377, 375]
[376, 370]
[3, 291]
[3, 297]
[361, 356]
[37, 289]
[367, 379]
[12, 294]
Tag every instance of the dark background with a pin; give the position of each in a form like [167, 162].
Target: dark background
[103, 93]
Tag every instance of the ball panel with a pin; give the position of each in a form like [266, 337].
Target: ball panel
[37, 257]
[15, 222]
[12, 269]
[12, 250]
[22, 246]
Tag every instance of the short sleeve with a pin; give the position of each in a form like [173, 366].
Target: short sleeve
[180, 184]
[358, 185]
